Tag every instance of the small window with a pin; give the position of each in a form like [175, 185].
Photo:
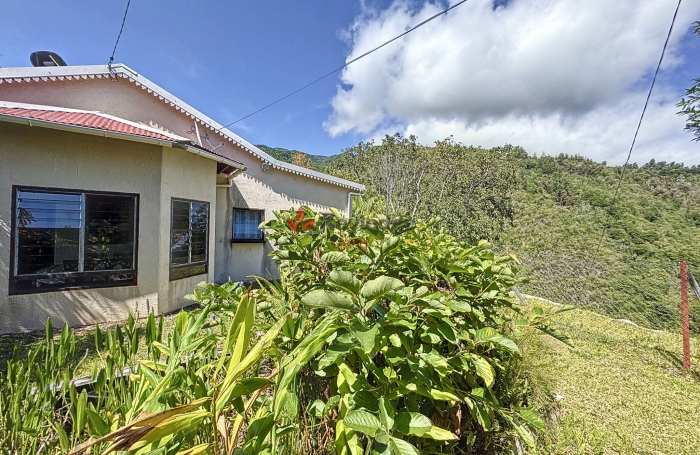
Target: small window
[65, 239]
[189, 238]
[245, 225]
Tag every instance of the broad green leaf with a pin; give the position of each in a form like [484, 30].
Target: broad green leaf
[386, 413]
[483, 369]
[489, 334]
[443, 396]
[335, 257]
[346, 441]
[395, 355]
[365, 335]
[401, 447]
[413, 423]
[364, 399]
[389, 244]
[440, 434]
[485, 334]
[362, 421]
[379, 287]
[316, 408]
[327, 299]
[458, 306]
[438, 362]
[338, 348]
[345, 280]
[100, 426]
[532, 419]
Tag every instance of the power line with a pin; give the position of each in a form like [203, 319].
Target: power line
[646, 103]
[347, 64]
[111, 59]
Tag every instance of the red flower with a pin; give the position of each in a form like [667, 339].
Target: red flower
[293, 225]
[300, 214]
[308, 225]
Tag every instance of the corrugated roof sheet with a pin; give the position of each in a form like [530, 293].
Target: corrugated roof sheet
[85, 119]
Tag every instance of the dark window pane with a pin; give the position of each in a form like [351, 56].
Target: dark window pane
[109, 232]
[245, 224]
[181, 215]
[48, 231]
[188, 237]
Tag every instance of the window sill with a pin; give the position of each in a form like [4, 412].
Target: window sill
[234, 241]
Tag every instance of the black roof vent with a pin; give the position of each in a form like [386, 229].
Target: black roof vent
[46, 58]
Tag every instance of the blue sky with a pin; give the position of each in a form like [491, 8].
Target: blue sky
[547, 84]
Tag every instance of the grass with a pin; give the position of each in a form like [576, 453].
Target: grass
[86, 354]
[622, 388]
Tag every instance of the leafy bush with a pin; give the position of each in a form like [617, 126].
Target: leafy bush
[393, 337]
[419, 354]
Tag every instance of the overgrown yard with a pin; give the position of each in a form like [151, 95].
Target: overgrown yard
[84, 344]
[622, 388]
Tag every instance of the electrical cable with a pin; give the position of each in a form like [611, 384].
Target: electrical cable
[347, 64]
[646, 103]
[111, 59]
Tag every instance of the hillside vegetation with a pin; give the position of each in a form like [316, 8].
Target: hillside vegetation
[564, 209]
[318, 162]
[619, 390]
[578, 247]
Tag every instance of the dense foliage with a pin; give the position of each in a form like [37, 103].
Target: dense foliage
[469, 188]
[379, 338]
[621, 260]
[317, 162]
[690, 103]
[418, 361]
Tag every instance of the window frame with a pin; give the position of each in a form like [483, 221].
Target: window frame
[233, 225]
[193, 265]
[14, 245]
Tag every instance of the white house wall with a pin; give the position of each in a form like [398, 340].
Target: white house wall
[31, 156]
[184, 176]
[271, 189]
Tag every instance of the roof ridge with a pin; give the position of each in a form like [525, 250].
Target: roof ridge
[36, 74]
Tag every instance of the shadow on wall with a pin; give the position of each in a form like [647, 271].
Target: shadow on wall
[78, 307]
[278, 196]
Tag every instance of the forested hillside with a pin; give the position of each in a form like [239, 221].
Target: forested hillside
[563, 208]
[559, 219]
[318, 162]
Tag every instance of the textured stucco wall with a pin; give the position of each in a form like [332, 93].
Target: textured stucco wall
[183, 176]
[47, 158]
[270, 190]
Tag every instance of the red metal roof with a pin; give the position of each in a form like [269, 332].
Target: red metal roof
[85, 119]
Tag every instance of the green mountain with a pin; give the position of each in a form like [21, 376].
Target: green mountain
[579, 247]
[618, 255]
[318, 162]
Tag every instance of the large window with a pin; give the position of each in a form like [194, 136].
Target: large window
[189, 238]
[245, 225]
[65, 239]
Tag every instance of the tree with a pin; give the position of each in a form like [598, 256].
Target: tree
[468, 187]
[302, 160]
[690, 103]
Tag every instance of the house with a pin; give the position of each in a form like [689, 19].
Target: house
[118, 197]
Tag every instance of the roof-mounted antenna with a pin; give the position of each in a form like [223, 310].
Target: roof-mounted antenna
[46, 58]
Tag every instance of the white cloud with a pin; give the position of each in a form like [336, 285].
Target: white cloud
[555, 76]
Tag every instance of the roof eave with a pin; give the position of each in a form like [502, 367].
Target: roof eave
[123, 136]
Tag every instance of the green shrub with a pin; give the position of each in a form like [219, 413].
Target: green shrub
[419, 356]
